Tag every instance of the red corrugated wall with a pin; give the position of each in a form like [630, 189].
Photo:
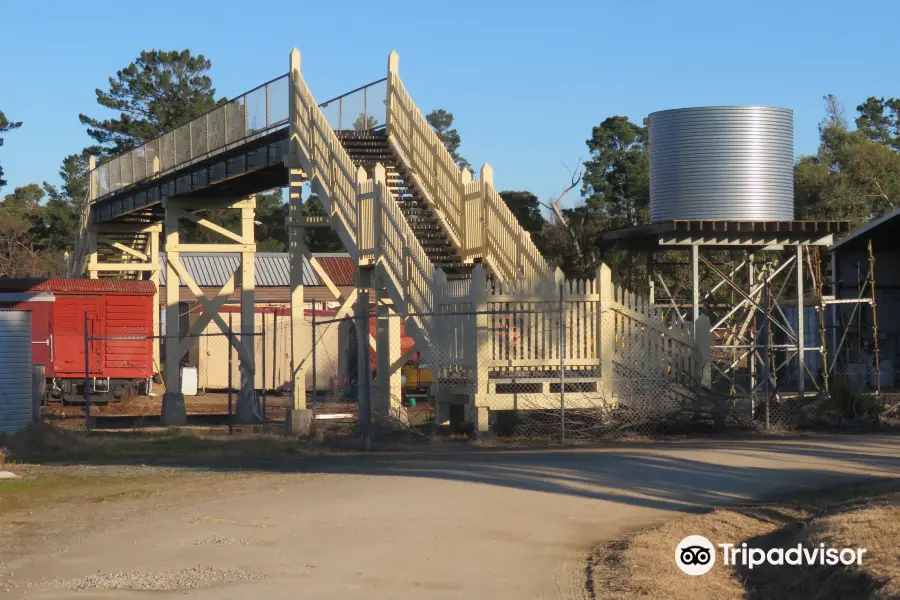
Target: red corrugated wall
[128, 316]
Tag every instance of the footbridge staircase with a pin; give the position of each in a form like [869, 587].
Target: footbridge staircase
[427, 236]
[400, 204]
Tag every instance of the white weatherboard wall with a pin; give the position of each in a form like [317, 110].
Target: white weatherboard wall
[331, 353]
[15, 370]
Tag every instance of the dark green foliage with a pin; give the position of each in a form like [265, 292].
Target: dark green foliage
[156, 93]
[442, 122]
[847, 401]
[879, 121]
[270, 229]
[32, 236]
[6, 126]
[557, 241]
[24, 199]
[617, 175]
[364, 123]
[854, 175]
[50, 224]
[74, 175]
[526, 208]
[320, 239]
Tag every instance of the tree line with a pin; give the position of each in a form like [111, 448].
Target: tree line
[854, 174]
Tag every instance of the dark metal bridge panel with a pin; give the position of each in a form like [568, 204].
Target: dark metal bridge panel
[254, 166]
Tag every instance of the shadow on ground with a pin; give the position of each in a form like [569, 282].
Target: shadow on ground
[676, 475]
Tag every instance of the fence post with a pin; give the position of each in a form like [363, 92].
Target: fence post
[87, 375]
[487, 180]
[561, 286]
[230, 381]
[465, 177]
[439, 280]
[405, 275]
[380, 179]
[482, 346]
[606, 331]
[363, 362]
[263, 379]
[314, 382]
[38, 388]
[703, 342]
[393, 69]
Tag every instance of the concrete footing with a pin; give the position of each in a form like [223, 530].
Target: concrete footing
[479, 417]
[173, 411]
[298, 421]
[247, 410]
[441, 413]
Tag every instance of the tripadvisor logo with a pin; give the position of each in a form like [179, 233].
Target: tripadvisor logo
[696, 555]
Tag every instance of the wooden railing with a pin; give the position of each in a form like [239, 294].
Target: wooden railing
[321, 155]
[399, 259]
[507, 246]
[364, 213]
[643, 342]
[518, 331]
[474, 215]
[431, 167]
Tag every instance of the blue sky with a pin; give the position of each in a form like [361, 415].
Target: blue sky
[526, 81]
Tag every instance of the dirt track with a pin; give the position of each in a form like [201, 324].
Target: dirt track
[474, 525]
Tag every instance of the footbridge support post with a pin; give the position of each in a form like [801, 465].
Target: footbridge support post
[299, 418]
[178, 341]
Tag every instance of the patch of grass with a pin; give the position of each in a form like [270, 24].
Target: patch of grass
[46, 444]
[50, 486]
[847, 401]
[642, 565]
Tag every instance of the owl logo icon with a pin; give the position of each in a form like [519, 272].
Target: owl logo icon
[695, 555]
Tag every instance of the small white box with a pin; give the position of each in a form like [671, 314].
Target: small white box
[189, 381]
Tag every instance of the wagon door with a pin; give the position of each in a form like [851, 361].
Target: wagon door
[68, 336]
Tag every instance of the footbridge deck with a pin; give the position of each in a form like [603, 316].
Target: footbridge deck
[234, 150]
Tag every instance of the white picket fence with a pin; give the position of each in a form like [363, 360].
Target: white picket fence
[494, 334]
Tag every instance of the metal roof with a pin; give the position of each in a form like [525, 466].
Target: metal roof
[79, 286]
[272, 269]
[339, 267]
[883, 231]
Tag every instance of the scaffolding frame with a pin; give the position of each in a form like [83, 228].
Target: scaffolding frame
[743, 275]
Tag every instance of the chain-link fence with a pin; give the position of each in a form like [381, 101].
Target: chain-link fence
[117, 375]
[563, 371]
[581, 367]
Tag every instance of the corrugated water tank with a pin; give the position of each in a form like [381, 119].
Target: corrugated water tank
[722, 163]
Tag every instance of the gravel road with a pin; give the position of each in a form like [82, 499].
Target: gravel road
[504, 525]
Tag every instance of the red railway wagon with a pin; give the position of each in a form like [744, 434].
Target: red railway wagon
[117, 368]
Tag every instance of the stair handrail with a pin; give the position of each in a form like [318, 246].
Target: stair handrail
[401, 260]
[363, 211]
[511, 253]
[507, 246]
[432, 168]
[75, 262]
[319, 152]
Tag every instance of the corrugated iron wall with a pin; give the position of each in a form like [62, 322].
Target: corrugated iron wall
[15, 370]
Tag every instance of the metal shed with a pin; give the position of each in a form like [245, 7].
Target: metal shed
[15, 370]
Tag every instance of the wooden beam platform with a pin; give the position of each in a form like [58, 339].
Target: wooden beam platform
[727, 233]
